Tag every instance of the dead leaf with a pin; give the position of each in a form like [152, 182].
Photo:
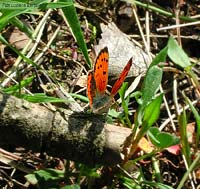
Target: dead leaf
[174, 149]
[121, 49]
[17, 38]
[145, 145]
[191, 132]
[82, 81]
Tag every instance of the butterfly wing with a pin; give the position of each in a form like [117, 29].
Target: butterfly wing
[121, 78]
[101, 71]
[91, 87]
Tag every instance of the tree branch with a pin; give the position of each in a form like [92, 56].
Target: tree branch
[71, 135]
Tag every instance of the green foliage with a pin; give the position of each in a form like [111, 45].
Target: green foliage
[152, 111]
[80, 97]
[54, 5]
[130, 184]
[41, 97]
[177, 55]
[88, 171]
[14, 90]
[72, 18]
[150, 86]
[180, 58]
[195, 164]
[49, 178]
[197, 118]
[112, 113]
[149, 107]
[123, 116]
[149, 110]
[182, 120]
[53, 178]
[125, 102]
[45, 175]
[74, 186]
[35, 98]
[157, 185]
[162, 139]
[161, 57]
[146, 95]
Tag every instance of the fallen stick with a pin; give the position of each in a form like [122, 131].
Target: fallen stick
[76, 136]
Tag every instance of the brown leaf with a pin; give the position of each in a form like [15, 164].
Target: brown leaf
[82, 81]
[17, 38]
[145, 145]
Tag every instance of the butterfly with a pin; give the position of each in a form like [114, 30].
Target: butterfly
[97, 82]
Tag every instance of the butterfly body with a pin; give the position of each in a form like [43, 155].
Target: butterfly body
[97, 82]
[101, 104]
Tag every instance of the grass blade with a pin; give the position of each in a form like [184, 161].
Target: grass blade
[197, 117]
[29, 61]
[182, 120]
[72, 18]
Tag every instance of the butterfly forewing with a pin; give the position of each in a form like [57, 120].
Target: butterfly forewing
[121, 78]
[101, 71]
[91, 87]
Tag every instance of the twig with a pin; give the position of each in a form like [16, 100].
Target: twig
[142, 34]
[168, 111]
[178, 26]
[173, 115]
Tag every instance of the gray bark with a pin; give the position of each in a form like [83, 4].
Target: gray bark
[77, 136]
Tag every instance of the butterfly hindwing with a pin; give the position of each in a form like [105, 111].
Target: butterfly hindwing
[91, 87]
[101, 71]
[121, 78]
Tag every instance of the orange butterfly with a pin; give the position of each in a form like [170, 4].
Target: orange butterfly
[97, 82]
